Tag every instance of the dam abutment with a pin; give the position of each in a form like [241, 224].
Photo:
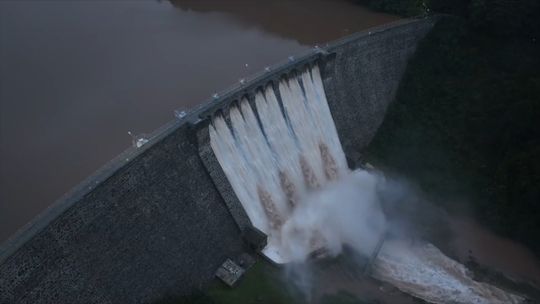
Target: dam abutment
[363, 77]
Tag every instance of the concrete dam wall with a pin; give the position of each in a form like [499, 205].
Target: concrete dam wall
[160, 219]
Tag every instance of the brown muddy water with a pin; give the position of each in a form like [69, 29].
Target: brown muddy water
[76, 76]
[497, 253]
[468, 239]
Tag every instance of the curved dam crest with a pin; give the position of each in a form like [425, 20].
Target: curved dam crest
[159, 220]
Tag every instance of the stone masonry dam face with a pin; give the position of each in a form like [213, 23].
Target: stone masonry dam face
[160, 219]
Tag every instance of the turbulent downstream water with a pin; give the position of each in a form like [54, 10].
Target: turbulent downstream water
[282, 155]
[424, 271]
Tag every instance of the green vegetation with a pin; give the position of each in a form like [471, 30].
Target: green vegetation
[403, 7]
[501, 16]
[465, 124]
[262, 284]
[344, 298]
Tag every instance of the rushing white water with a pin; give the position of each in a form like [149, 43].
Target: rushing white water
[284, 160]
[272, 159]
[424, 271]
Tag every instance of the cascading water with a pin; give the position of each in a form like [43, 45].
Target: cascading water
[272, 160]
[424, 271]
[285, 163]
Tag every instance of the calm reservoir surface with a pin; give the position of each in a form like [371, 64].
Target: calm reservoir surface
[76, 76]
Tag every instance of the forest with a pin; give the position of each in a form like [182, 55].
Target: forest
[464, 125]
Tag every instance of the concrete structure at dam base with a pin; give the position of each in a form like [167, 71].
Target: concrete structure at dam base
[159, 220]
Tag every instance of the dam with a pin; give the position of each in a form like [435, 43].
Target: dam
[284, 160]
[160, 219]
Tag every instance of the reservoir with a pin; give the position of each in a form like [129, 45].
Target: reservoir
[76, 76]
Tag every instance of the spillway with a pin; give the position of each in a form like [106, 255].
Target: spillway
[281, 153]
[276, 148]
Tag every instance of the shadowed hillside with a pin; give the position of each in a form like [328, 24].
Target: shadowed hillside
[465, 121]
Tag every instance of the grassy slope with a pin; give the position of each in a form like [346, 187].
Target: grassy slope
[262, 284]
